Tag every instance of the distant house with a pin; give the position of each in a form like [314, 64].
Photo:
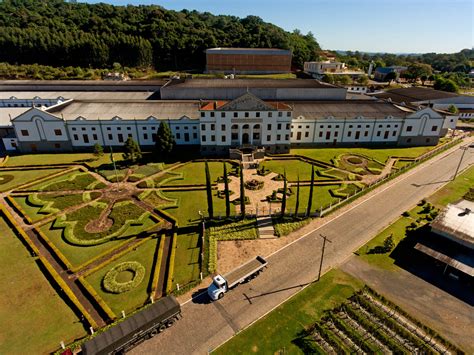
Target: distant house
[381, 72]
[319, 69]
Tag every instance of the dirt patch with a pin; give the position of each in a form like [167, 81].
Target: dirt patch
[99, 225]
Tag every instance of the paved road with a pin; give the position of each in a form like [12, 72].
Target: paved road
[206, 325]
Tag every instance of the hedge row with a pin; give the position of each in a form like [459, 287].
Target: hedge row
[20, 232]
[229, 231]
[63, 285]
[110, 314]
[157, 266]
[169, 283]
[57, 253]
[115, 256]
[11, 201]
[101, 255]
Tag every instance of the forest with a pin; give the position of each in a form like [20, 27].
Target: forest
[59, 33]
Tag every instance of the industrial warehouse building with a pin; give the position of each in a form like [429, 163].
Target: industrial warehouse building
[248, 60]
[216, 126]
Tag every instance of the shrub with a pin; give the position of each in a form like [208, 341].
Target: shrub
[254, 184]
[111, 284]
[406, 214]
[354, 160]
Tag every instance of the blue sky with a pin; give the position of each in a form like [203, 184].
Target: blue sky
[418, 26]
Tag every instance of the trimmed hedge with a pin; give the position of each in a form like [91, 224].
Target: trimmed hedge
[243, 230]
[63, 285]
[110, 314]
[169, 283]
[111, 284]
[157, 266]
[59, 255]
[112, 258]
[18, 208]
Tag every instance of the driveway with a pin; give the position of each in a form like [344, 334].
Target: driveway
[206, 325]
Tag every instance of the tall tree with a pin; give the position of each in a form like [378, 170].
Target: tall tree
[226, 192]
[310, 197]
[283, 198]
[242, 191]
[98, 150]
[164, 141]
[210, 206]
[297, 204]
[132, 152]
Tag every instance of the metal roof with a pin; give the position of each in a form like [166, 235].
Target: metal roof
[414, 94]
[125, 109]
[6, 112]
[346, 109]
[457, 221]
[78, 95]
[251, 83]
[247, 51]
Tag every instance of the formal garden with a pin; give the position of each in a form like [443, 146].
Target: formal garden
[114, 233]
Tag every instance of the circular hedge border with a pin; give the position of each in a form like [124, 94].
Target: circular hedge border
[111, 284]
[355, 160]
[5, 178]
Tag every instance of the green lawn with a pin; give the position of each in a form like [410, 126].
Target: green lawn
[191, 202]
[454, 190]
[293, 168]
[194, 173]
[450, 193]
[130, 300]
[380, 154]
[61, 158]
[21, 177]
[277, 332]
[75, 180]
[77, 255]
[186, 264]
[321, 197]
[36, 211]
[34, 319]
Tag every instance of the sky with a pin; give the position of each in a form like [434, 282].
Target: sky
[394, 26]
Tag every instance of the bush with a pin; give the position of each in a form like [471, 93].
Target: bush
[355, 160]
[406, 214]
[254, 184]
[110, 283]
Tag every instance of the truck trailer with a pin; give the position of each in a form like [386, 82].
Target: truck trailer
[221, 284]
[141, 326]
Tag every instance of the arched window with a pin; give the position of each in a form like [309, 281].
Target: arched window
[257, 126]
[234, 126]
[245, 126]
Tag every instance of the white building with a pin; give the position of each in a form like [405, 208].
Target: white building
[216, 126]
[319, 69]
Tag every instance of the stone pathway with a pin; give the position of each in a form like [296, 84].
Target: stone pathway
[258, 198]
[265, 228]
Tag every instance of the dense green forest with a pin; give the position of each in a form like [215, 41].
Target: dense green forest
[59, 33]
[459, 62]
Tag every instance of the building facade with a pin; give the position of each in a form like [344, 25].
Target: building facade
[248, 60]
[216, 126]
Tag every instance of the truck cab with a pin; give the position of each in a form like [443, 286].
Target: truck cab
[217, 288]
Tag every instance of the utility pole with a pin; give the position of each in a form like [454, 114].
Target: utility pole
[464, 149]
[322, 254]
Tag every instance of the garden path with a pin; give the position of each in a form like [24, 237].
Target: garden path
[258, 198]
[370, 179]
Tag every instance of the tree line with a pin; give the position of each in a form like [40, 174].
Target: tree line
[61, 33]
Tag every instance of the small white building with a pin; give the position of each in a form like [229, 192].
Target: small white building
[319, 69]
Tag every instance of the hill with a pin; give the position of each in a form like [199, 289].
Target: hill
[59, 33]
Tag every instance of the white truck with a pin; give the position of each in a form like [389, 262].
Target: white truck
[221, 284]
